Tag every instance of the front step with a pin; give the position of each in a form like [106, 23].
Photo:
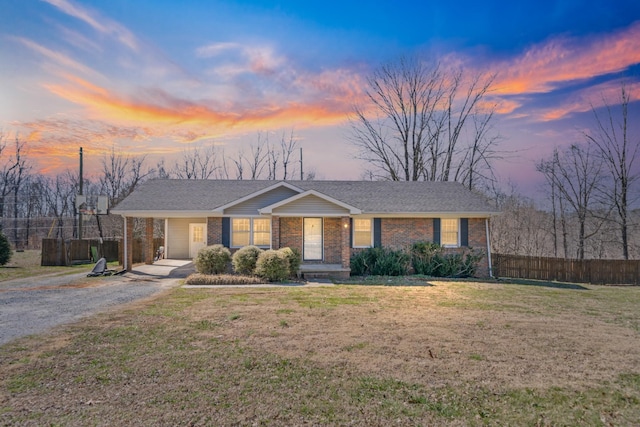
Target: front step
[323, 271]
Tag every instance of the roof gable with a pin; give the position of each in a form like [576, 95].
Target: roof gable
[251, 203]
[310, 202]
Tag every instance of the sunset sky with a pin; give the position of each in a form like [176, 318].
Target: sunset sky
[156, 77]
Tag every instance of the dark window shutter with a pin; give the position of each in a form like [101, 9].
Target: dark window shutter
[436, 231]
[226, 232]
[464, 231]
[377, 232]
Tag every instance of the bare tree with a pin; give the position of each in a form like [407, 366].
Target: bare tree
[288, 146]
[576, 174]
[619, 151]
[19, 174]
[521, 229]
[415, 120]
[197, 163]
[9, 168]
[59, 197]
[259, 156]
[121, 174]
[475, 162]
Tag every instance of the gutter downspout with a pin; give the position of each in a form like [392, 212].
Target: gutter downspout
[486, 223]
[125, 267]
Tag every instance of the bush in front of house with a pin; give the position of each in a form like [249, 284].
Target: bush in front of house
[429, 259]
[273, 266]
[245, 258]
[426, 258]
[212, 259]
[5, 250]
[380, 262]
[294, 258]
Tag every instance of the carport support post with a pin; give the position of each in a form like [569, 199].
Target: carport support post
[345, 234]
[148, 239]
[128, 243]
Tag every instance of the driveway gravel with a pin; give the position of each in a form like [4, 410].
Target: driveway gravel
[35, 305]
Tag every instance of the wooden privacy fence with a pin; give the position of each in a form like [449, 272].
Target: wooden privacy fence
[67, 252]
[61, 252]
[599, 271]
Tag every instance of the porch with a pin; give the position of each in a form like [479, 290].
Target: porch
[323, 271]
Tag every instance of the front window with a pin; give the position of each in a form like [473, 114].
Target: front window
[362, 233]
[449, 229]
[250, 231]
[261, 232]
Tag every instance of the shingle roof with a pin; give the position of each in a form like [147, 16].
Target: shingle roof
[371, 197]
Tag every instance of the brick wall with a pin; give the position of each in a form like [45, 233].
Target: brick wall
[275, 232]
[478, 241]
[332, 241]
[214, 231]
[291, 233]
[398, 233]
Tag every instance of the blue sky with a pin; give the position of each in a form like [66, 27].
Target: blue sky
[157, 77]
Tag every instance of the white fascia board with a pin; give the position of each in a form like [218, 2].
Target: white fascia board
[221, 209]
[269, 209]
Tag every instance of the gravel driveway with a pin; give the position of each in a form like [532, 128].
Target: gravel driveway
[34, 305]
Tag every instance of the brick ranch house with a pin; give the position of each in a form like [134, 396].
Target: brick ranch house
[327, 221]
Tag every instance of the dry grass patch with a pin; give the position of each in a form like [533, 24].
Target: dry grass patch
[27, 264]
[453, 353]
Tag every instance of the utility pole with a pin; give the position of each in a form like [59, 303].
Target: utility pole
[80, 194]
[301, 172]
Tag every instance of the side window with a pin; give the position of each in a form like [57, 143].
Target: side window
[449, 232]
[362, 233]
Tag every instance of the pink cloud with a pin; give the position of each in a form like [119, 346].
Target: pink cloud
[593, 97]
[560, 60]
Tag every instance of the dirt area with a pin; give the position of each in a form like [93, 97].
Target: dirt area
[432, 335]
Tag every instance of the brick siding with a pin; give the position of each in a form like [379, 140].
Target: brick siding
[214, 231]
[291, 233]
[398, 233]
[332, 241]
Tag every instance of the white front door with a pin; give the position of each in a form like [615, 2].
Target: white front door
[197, 238]
[312, 239]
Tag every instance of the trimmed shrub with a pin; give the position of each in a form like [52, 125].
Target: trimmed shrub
[272, 266]
[244, 260]
[294, 258]
[212, 259]
[5, 250]
[380, 262]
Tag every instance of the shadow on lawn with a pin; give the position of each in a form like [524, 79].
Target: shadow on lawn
[542, 283]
